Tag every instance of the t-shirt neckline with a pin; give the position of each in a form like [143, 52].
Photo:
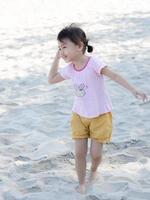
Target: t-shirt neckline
[78, 70]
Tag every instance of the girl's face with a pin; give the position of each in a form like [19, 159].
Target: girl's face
[69, 51]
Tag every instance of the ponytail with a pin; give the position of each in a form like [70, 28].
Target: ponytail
[89, 48]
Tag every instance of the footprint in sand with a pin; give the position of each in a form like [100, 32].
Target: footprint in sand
[43, 165]
[122, 159]
[92, 197]
[22, 158]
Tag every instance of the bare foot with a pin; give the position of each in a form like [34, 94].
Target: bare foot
[92, 177]
[81, 189]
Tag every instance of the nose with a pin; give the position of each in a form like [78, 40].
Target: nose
[61, 53]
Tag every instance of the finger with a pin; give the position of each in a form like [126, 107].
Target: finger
[139, 96]
[145, 98]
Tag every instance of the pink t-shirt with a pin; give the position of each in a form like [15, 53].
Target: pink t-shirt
[91, 96]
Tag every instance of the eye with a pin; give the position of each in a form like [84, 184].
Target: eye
[60, 48]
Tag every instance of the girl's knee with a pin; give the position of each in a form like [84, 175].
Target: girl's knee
[96, 157]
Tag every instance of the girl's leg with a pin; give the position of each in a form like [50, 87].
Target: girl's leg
[81, 147]
[96, 156]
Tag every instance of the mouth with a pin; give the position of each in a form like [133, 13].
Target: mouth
[65, 57]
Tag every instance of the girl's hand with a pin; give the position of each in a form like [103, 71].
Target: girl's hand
[58, 56]
[140, 95]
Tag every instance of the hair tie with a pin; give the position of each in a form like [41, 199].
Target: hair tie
[86, 44]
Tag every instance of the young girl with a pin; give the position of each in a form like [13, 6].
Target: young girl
[92, 108]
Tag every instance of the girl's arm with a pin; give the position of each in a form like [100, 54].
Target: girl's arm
[119, 79]
[54, 76]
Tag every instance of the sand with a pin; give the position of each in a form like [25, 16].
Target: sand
[36, 149]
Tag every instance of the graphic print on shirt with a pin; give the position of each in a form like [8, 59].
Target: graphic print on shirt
[80, 90]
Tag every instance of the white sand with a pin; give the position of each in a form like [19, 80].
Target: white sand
[36, 149]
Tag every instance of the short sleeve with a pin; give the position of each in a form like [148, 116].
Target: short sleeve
[98, 64]
[65, 72]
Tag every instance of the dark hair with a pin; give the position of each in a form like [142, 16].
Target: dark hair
[76, 35]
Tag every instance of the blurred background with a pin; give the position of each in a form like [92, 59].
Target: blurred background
[35, 116]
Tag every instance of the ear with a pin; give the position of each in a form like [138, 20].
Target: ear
[80, 46]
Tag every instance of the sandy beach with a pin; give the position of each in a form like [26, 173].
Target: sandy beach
[36, 149]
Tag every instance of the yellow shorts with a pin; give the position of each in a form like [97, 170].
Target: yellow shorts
[98, 128]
